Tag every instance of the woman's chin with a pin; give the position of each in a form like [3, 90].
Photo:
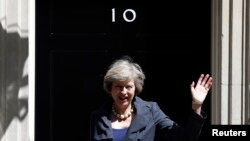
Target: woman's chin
[124, 103]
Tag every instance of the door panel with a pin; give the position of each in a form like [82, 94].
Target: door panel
[77, 41]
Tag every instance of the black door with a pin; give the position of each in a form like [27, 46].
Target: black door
[77, 40]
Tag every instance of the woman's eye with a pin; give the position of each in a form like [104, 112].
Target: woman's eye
[129, 87]
[119, 87]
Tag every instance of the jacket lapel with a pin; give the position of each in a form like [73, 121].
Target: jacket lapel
[140, 121]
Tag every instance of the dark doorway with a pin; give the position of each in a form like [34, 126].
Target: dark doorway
[76, 41]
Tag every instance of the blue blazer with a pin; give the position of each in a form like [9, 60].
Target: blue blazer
[148, 121]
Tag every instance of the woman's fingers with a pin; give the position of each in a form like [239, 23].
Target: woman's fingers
[200, 79]
[209, 83]
[204, 81]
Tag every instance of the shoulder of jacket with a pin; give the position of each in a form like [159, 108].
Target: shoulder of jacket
[102, 110]
[149, 104]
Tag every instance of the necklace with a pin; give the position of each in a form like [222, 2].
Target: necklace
[120, 116]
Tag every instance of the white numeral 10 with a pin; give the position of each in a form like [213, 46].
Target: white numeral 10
[125, 15]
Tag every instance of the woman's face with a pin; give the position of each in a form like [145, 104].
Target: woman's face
[123, 92]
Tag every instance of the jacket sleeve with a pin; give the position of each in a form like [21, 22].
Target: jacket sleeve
[170, 130]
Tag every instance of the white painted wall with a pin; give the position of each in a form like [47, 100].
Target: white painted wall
[17, 43]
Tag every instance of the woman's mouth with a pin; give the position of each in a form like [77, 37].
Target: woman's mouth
[123, 99]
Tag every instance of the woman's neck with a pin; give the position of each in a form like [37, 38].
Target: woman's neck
[122, 113]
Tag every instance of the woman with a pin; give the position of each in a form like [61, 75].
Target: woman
[129, 118]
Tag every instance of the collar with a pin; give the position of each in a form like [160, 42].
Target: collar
[138, 123]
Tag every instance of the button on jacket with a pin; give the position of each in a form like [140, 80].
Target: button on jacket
[148, 120]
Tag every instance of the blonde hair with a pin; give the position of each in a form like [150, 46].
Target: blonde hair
[124, 69]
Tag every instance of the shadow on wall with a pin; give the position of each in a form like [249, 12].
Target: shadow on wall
[13, 83]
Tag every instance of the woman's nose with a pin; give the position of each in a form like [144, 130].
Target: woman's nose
[123, 90]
